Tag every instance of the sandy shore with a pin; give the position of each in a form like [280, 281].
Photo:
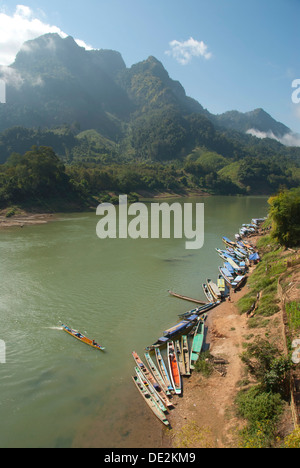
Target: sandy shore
[24, 219]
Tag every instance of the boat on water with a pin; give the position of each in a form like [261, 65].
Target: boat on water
[145, 371]
[200, 310]
[215, 291]
[163, 369]
[174, 368]
[207, 293]
[156, 374]
[222, 286]
[79, 336]
[186, 298]
[228, 242]
[197, 344]
[150, 389]
[185, 354]
[150, 402]
[182, 327]
[179, 356]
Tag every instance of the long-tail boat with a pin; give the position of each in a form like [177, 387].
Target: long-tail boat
[215, 291]
[208, 293]
[179, 357]
[186, 298]
[156, 374]
[185, 354]
[79, 336]
[151, 379]
[163, 369]
[197, 344]
[150, 389]
[174, 368]
[150, 402]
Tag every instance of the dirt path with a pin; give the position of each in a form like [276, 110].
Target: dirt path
[209, 402]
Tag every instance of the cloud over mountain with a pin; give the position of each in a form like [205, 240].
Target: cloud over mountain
[184, 51]
[21, 26]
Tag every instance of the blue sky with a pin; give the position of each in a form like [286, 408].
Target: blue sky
[228, 54]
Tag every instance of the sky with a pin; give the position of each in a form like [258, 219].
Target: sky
[227, 54]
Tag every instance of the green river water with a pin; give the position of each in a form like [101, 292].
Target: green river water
[57, 392]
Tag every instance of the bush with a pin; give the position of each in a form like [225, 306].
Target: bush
[256, 405]
[262, 410]
[293, 314]
[293, 440]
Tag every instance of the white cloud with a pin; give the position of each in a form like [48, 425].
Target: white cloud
[289, 139]
[22, 26]
[183, 52]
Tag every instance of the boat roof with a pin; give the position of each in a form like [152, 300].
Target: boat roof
[239, 278]
[176, 328]
[226, 272]
[192, 317]
[254, 256]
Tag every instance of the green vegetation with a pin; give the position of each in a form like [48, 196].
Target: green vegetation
[293, 439]
[263, 403]
[128, 130]
[263, 284]
[293, 315]
[204, 364]
[285, 215]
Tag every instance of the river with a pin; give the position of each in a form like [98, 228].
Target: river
[57, 392]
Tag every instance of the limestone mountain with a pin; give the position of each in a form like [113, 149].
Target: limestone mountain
[140, 110]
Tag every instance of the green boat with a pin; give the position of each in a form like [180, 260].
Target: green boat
[197, 343]
[149, 400]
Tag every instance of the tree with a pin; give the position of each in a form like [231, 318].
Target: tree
[285, 215]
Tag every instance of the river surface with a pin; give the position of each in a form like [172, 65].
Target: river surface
[57, 392]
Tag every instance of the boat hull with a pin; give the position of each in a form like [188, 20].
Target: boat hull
[174, 368]
[82, 338]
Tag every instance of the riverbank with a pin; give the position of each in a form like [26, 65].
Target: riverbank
[23, 219]
[205, 417]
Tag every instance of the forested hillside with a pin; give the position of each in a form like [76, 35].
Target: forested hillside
[114, 128]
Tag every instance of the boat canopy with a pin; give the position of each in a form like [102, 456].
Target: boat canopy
[193, 317]
[177, 328]
[238, 279]
[254, 257]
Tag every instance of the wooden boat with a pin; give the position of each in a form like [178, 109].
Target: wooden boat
[150, 389]
[197, 344]
[208, 293]
[179, 357]
[145, 371]
[79, 336]
[156, 374]
[174, 368]
[163, 369]
[228, 242]
[224, 288]
[215, 291]
[185, 354]
[200, 310]
[185, 298]
[150, 402]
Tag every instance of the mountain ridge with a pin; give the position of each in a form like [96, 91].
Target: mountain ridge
[54, 82]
